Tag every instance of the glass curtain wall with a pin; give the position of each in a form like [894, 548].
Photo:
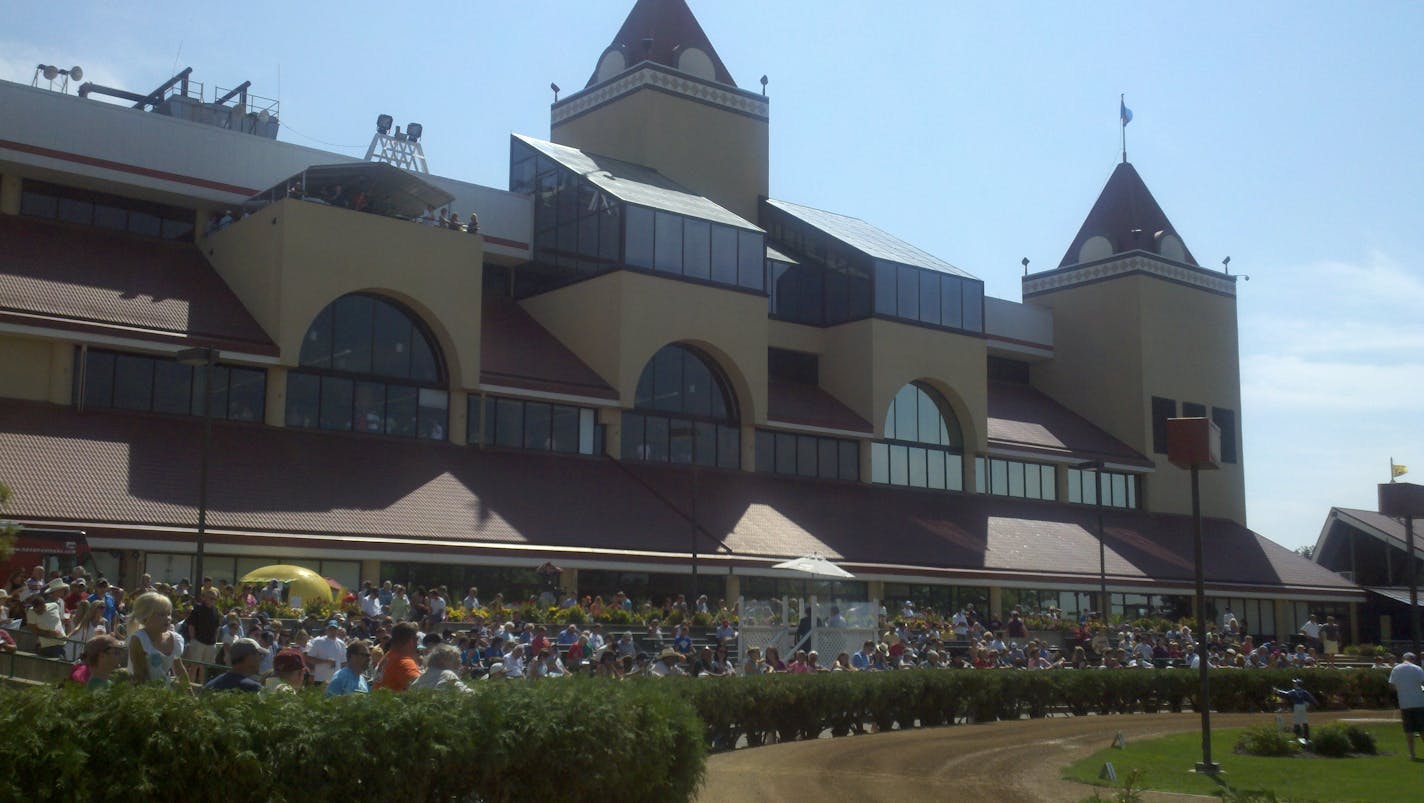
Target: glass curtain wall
[923, 445]
[148, 384]
[1116, 489]
[684, 412]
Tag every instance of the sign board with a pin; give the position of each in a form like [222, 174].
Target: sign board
[1401, 500]
[1193, 442]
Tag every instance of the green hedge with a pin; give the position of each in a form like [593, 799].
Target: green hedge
[803, 706]
[575, 740]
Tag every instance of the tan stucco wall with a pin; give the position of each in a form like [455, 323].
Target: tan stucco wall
[26, 368]
[287, 271]
[720, 154]
[9, 194]
[1122, 341]
[615, 323]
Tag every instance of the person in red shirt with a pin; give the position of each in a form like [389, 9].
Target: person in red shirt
[78, 590]
[400, 668]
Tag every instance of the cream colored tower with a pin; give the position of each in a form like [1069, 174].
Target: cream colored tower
[1143, 333]
[661, 97]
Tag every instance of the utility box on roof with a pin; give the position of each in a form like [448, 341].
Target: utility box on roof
[1193, 443]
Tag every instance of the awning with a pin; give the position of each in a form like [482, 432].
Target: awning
[389, 190]
[1400, 595]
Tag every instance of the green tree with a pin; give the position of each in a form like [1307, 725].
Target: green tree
[1307, 551]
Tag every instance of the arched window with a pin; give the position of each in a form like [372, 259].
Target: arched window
[369, 365]
[923, 445]
[684, 412]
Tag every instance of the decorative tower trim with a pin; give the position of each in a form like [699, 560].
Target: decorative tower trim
[664, 79]
[1128, 264]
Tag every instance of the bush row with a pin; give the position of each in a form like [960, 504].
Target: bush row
[578, 740]
[804, 706]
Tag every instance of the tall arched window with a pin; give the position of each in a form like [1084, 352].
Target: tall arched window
[369, 365]
[684, 412]
[923, 445]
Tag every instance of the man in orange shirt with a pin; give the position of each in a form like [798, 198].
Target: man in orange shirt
[400, 665]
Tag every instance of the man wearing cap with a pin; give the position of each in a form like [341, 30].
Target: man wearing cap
[667, 664]
[350, 679]
[245, 656]
[78, 590]
[1407, 678]
[289, 667]
[46, 619]
[326, 653]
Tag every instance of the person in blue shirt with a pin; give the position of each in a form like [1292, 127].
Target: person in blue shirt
[683, 641]
[349, 679]
[862, 661]
[245, 658]
[1300, 701]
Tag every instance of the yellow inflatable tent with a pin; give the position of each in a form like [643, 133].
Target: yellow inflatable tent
[296, 581]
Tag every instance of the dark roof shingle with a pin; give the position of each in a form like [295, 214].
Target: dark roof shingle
[1021, 417]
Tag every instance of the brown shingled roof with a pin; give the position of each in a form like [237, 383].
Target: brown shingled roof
[1021, 417]
[87, 279]
[1126, 214]
[515, 351]
[115, 468]
[671, 27]
[809, 405]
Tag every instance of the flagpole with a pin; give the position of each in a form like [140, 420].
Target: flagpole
[1122, 104]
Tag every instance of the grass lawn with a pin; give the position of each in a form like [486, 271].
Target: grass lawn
[1166, 765]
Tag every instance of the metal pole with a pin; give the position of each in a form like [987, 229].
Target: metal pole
[692, 600]
[1413, 581]
[1103, 604]
[206, 450]
[1207, 765]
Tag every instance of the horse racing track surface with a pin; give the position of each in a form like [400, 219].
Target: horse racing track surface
[991, 763]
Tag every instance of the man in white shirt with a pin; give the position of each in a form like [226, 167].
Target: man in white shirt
[1407, 678]
[1311, 630]
[667, 664]
[327, 653]
[371, 604]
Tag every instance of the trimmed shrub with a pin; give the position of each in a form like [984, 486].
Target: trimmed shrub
[1266, 740]
[1361, 740]
[1332, 741]
[567, 740]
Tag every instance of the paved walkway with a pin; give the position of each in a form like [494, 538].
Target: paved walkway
[992, 763]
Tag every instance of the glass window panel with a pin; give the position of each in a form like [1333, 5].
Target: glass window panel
[111, 217]
[849, 460]
[173, 388]
[587, 427]
[667, 247]
[351, 335]
[998, 477]
[724, 254]
[930, 429]
[316, 346]
[909, 292]
[565, 429]
[219, 398]
[1132, 492]
[146, 224]
[509, 423]
[537, 426]
[639, 240]
[729, 447]
[899, 465]
[99, 379]
[72, 210]
[705, 445]
[246, 394]
[391, 349]
[973, 306]
[681, 438]
[656, 439]
[950, 295]
[39, 205]
[980, 471]
[1016, 479]
[1119, 490]
[1090, 488]
[1033, 482]
[929, 296]
[370, 407]
[765, 451]
[588, 234]
[697, 387]
[1075, 485]
[826, 458]
[402, 402]
[806, 457]
[1050, 482]
[1105, 488]
[934, 474]
[879, 463]
[953, 472]
[133, 383]
[918, 475]
[906, 414]
[434, 414]
[667, 380]
[609, 234]
[643, 396]
[785, 453]
[751, 260]
[632, 441]
[303, 393]
[885, 282]
[697, 249]
[177, 229]
[336, 403]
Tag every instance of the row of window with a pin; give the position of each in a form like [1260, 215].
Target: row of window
[694, 248]
[928, 296]
[916, 466]
[684, 441]
[536, 426]
[162, 385]
[112, 212]
[1223, 417]
[797, 455]
[1015, 478]
[341, 404]
[1113, 488]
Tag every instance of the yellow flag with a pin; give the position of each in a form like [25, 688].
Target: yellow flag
[1396, 470]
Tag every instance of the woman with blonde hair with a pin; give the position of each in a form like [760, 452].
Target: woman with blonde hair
[87, 622]
[155, 651]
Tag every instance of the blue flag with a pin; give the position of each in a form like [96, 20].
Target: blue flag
[1125, 113]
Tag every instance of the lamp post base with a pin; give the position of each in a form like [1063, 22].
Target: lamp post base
[1206, 768]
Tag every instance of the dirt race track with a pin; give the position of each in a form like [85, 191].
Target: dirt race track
[991, 763]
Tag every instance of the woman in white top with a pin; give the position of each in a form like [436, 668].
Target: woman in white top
[155, 651]
[88, 622]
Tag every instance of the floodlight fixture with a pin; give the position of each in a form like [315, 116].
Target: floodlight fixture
[413, 131]
[49, 71]
[384, 122]
[555, 88]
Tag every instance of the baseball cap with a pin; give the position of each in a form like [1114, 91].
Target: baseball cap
[242, 648]
[289, 661]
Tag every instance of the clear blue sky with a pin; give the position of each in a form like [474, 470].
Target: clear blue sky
[1286, 135]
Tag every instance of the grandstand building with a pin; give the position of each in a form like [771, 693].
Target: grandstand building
[644, 365]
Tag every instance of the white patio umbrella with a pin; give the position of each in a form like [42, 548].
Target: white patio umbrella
[814, 564]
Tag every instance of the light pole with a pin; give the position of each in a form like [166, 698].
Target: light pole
[1405, 500]
[1194, 444]
[207, 358]
[1096, 466]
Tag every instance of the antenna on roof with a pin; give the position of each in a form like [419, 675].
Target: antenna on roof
[555, 87]
[1025, 264]
[764, 82]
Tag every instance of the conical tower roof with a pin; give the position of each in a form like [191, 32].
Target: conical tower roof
[663, 32]
[1129, 218]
